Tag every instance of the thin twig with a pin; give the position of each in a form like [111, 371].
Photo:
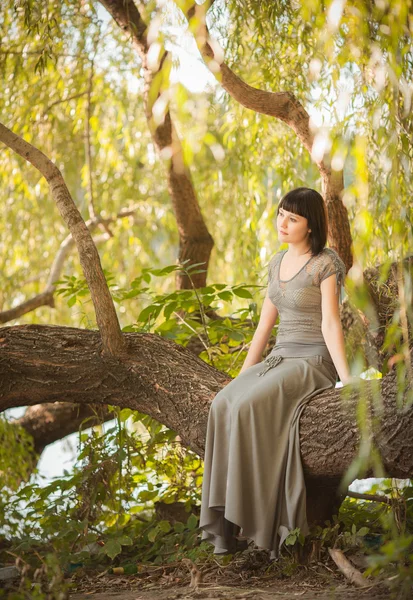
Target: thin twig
[372, 497]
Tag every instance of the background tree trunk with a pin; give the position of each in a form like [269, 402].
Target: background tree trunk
[282, 105]
[195, 241]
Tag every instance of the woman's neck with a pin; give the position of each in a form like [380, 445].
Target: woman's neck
[298, 249]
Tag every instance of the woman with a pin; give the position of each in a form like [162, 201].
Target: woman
[253, 478]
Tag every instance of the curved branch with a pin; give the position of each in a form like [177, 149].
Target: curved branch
[359, 333]
[106, 316]
[42, 421]
[195, 241]
[43, 364]
[285, 107]
[45, 298]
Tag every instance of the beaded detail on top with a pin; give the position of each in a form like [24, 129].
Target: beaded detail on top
[319, 267]
[298, 301]
[338, 266]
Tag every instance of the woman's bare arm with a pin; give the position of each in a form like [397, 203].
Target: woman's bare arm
[268, 317]
[331, 328]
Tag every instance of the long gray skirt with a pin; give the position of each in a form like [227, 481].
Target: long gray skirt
[253, 478]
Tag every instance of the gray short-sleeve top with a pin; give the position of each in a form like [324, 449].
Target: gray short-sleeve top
[298, 301]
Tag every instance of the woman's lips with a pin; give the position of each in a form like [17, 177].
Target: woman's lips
[283, 232]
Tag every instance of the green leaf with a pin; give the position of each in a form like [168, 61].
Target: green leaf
[135, 509]
[146, 495]
[124, 540]
[128, 328]
[146, 313]
[165, 526]
[226, 295]
[290, 539]
[192, 521]
[242, 292]
[112, 548]
[152, 533]
[169, 309]
[165, 270]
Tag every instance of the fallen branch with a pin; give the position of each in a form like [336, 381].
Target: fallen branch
[345, 566]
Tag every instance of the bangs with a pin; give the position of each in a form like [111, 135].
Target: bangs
[308, 203]
[296, 203]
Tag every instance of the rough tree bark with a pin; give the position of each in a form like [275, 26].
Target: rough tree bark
[46, 426]
[160, 378]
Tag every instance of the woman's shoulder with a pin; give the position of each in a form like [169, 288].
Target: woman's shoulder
[331, 257]
[273, 265]
[329, 252]
[328, 262]
[276, 257]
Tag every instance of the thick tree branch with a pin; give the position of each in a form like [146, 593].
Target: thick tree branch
[106, 316]
[365, 334]
[42, 421]
[285, 107]
[162, 379]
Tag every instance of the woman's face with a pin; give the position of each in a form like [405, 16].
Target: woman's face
[291, 228]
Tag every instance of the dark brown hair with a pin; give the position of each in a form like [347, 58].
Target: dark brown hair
[308, 203]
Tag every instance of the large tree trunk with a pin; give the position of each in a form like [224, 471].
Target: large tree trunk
[158, 377]
[46, 424]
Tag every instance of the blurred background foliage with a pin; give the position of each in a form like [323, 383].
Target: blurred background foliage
[352, 72]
